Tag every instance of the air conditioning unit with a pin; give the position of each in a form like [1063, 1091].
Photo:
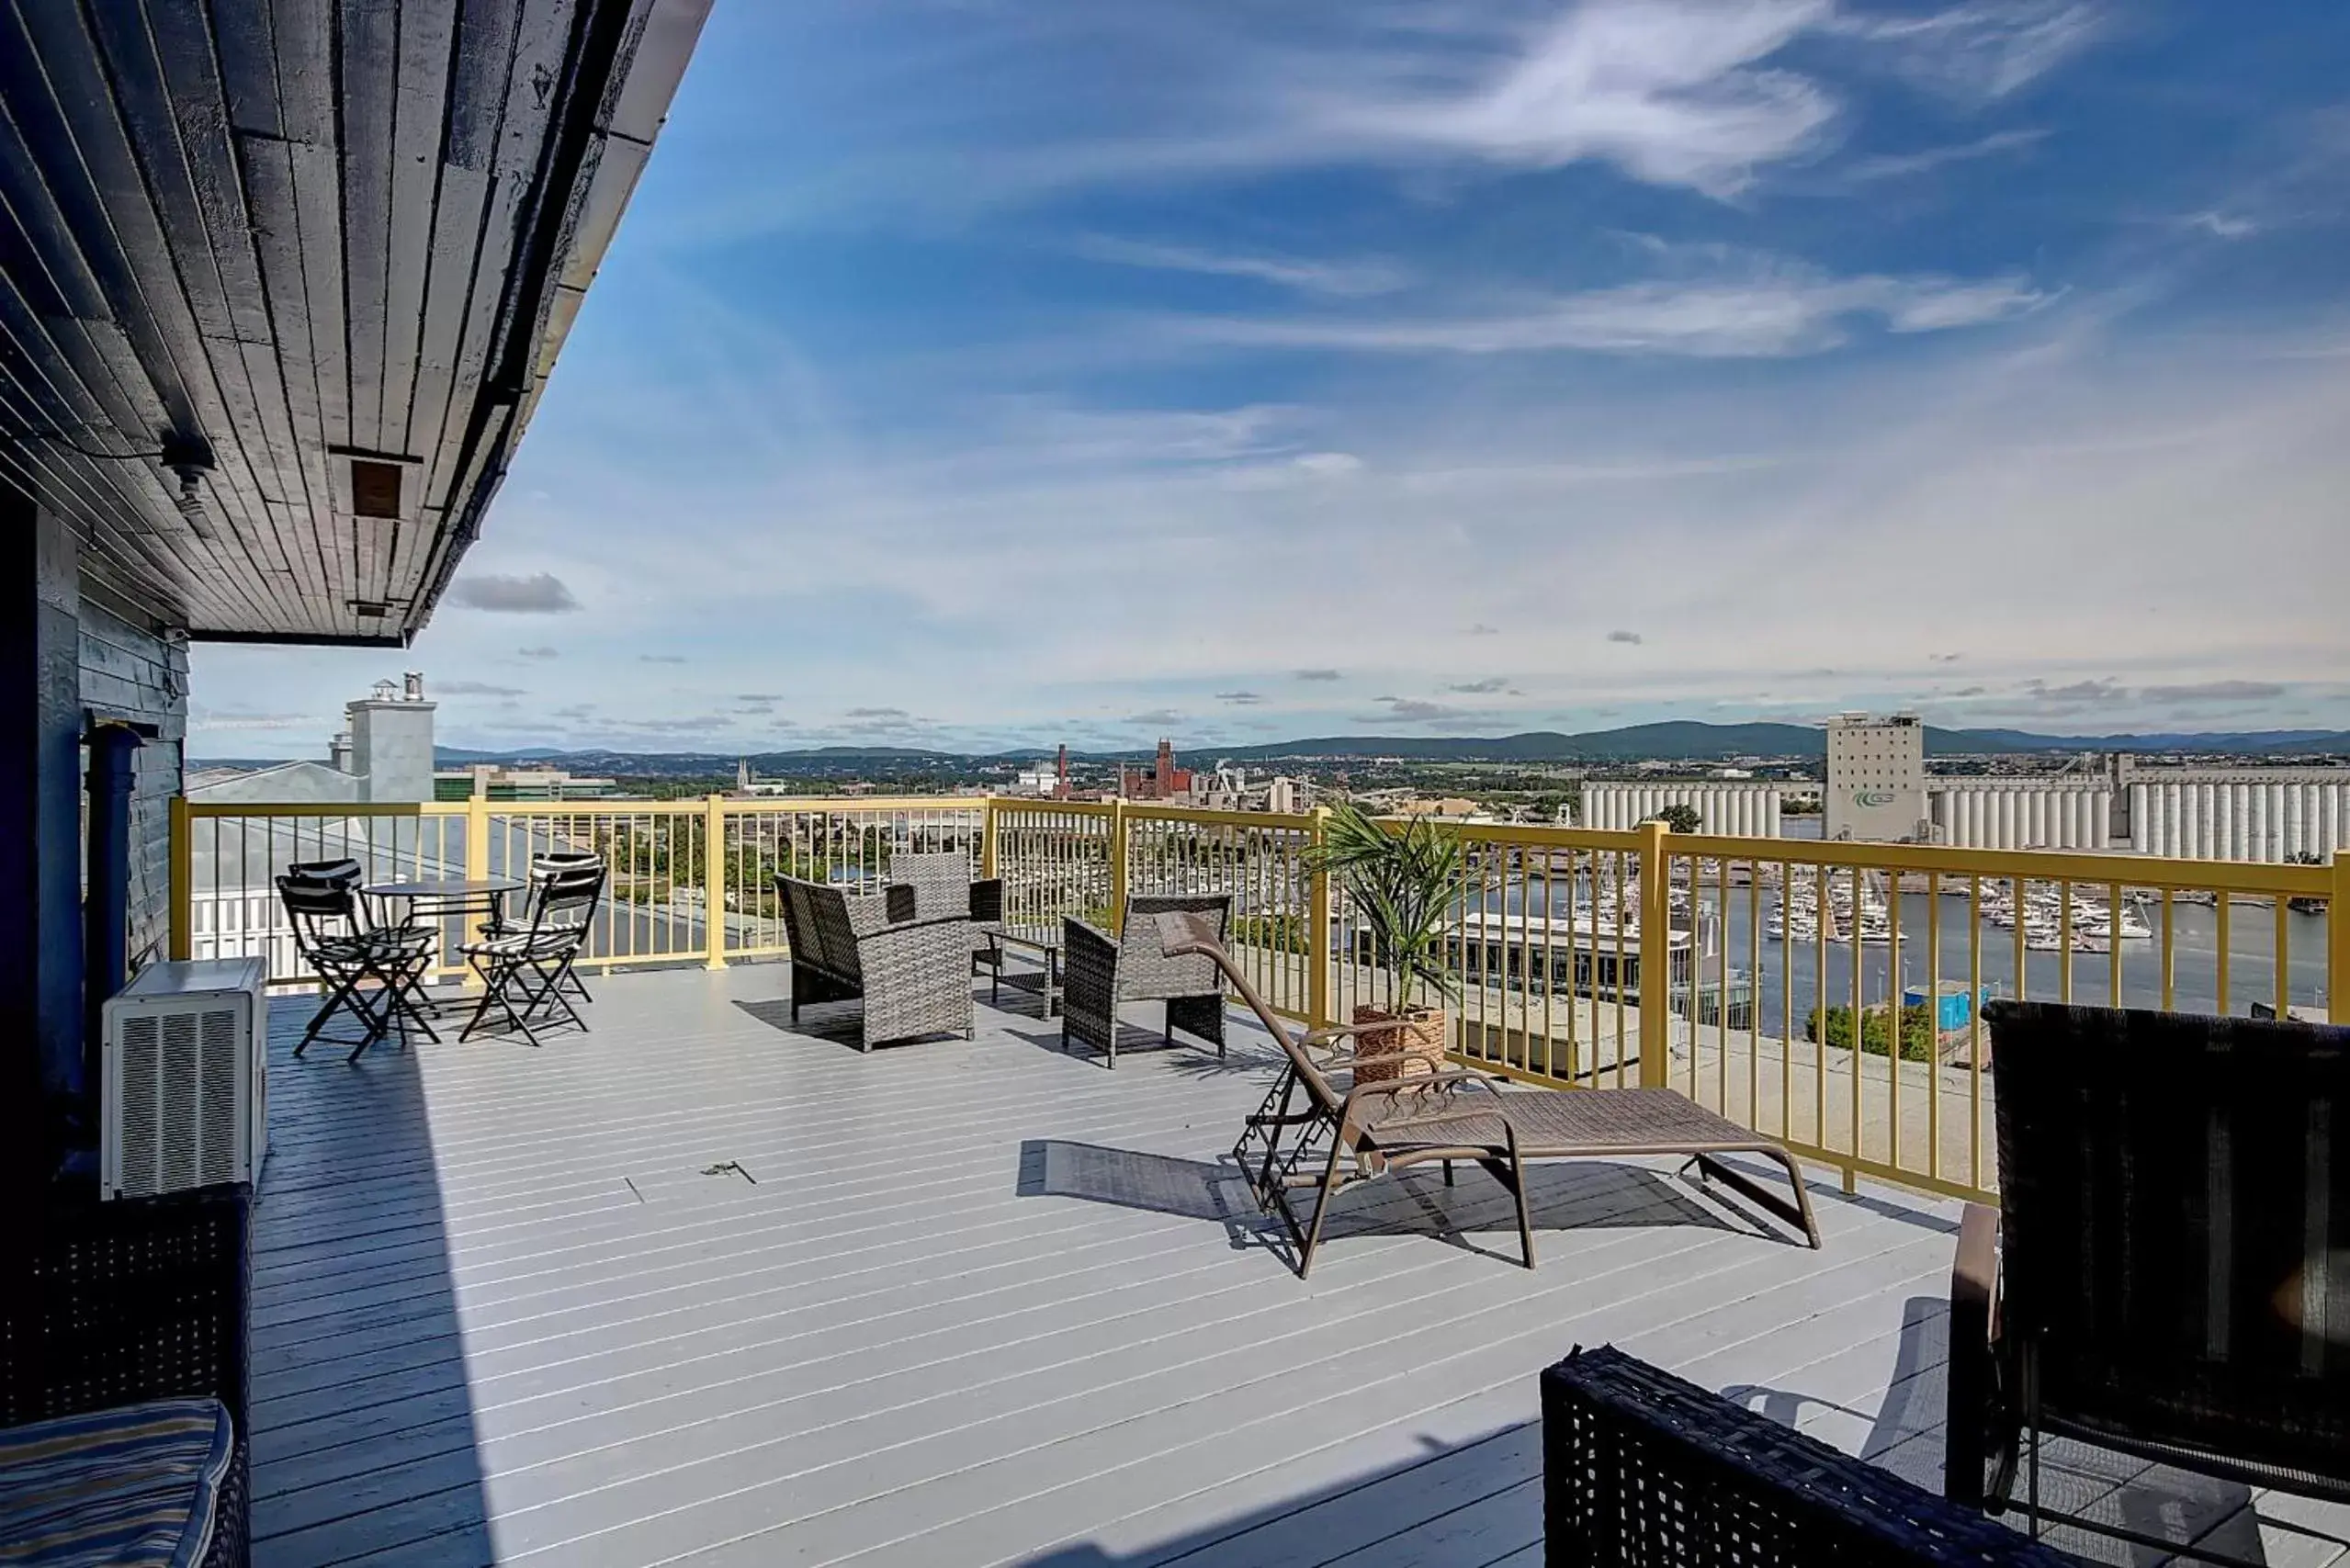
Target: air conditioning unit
[187, 1094]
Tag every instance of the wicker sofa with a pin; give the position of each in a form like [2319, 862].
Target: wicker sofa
[1641, 1466]
[123, 1384]
[914, 972]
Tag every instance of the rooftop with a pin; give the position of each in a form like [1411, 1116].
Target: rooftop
[698, 1285]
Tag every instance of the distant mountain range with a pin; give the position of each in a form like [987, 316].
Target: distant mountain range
[1678, 741]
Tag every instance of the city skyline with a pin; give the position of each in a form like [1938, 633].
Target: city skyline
[963, 382]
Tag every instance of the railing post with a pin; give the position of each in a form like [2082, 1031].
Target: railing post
[1117, 866]
[988, 839]
[714, 882]
[1319, 957]
[183, 882]
[2338, 932]
[1655, 958]
[476, 862]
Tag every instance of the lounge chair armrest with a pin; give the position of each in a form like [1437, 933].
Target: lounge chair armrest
[1390, 1087]
[1971, 1380]
[1320, 1039]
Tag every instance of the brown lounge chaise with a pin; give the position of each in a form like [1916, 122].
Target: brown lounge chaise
[1456, 1115]
[2168, 1274]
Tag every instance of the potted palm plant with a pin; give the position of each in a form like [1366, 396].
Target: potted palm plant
[1404, 883]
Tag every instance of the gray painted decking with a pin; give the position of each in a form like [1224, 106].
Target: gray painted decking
[979, 1303]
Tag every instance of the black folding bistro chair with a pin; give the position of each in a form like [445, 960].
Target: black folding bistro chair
[524, 969]
[374, 974]
[504, 924]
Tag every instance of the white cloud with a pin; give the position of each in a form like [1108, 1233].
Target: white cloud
[1982, 50]
[2221, 225]
[1902, 166]
[1775, 311]
[1673, 92]
[2217, 691]
[1342, 278]
[541, 593]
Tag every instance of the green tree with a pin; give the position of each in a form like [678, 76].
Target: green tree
[1876, 1031]
[1680, 818]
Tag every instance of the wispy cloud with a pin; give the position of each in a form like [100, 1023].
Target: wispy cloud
[1240, 699]
[1883, 166]
[1635, 639]
[1489, 685]
[474, 688]
[204, 720]
[2221, 225]
[1344, 278]
[1672, 92]
[1788, 309]
[1982, 50]
[661, 659]
[2216, 691]
[1156, 717]
[541, 593]
[1320, 675]
[539, 652]
[1414, 710]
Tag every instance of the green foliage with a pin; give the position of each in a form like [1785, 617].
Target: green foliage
[1876, 1031]
[1404, 883]
[1680, 818]
[1281, 933]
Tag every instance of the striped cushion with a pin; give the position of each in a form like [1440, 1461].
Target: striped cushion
[133, 1487]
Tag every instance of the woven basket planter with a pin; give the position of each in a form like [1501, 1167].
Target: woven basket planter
[1419, 1033]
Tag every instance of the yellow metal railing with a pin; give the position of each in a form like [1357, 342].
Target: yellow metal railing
[1768, 978]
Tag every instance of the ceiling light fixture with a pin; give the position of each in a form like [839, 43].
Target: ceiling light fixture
[189, 458]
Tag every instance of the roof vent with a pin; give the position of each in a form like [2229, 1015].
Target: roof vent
[373, 484]
[370, 609]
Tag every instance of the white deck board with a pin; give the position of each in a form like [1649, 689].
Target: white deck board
[978, 1303]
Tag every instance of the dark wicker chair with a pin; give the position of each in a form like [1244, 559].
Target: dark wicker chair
[1100, 971]
[2167, 1276]
[1642, 1466]
[136, 1299]
[913, 975]
[944, 887]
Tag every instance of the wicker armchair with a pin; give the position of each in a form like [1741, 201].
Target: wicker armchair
[2173, 1198]
[138, 1299]
[944, 887]
[1103, 971]
[1641, 1466]
[913, 975]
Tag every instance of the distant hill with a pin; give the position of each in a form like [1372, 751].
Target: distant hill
[1676, 740]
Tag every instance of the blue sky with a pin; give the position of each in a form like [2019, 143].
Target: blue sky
[978, 372]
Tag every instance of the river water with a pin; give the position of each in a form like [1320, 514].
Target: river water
[1793, 969]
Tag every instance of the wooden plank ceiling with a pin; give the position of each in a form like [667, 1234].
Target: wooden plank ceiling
[281, 280]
